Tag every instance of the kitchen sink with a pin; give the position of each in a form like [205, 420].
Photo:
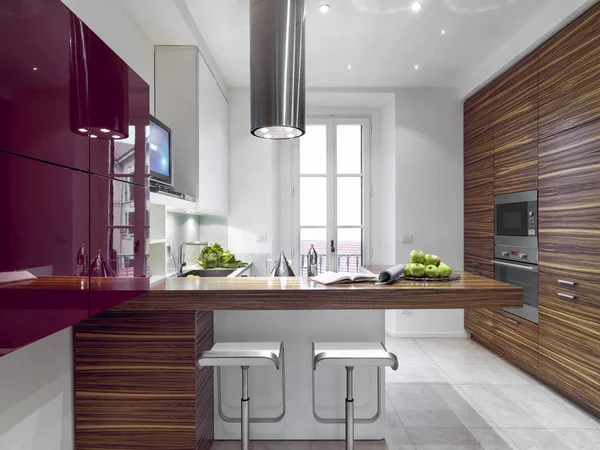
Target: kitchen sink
[209, 273]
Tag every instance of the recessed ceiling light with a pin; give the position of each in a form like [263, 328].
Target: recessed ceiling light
[349, 67]
[416, 6]
[264, 130]
[116, 136]
[35, 68]
[82, 130]
[93, 136]
[105, 130]
[416, 67]
[324, 8]
[443, 31]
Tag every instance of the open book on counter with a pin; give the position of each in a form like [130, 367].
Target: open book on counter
[386, 277]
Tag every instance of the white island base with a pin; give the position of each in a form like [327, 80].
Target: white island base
[298, 330]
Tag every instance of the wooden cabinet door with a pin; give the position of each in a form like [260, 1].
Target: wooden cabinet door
[479, 115]
[516, 128]
[569, 91]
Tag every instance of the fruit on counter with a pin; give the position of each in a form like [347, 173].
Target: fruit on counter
[193, 276]
[417, 270]
[432, 260]
[213, 256]
[406, 270]
[431, 271]
[445, 270]
[417, 256]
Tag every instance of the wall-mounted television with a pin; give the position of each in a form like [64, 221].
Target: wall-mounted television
[161, 155]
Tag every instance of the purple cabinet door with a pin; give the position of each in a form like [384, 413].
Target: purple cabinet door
[119, 116]
[45, 221]
[119, 231]
[43, 86]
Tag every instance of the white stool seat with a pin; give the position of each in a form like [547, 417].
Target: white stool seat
[353, 354]
[242, 354]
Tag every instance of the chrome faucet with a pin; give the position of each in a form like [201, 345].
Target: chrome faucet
[182, 262]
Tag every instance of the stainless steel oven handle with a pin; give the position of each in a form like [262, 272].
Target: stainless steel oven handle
[570, 297]
[570, 283]
[515, 266]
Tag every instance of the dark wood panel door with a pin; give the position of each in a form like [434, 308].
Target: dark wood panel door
[479, 115]
[569, 86]
[516, 127]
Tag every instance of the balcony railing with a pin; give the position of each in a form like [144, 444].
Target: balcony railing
[345, 263]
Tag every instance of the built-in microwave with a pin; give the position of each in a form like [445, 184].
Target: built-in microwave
[516, 221]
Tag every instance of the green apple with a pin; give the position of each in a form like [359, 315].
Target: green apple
[417, 270]
[406, 270]
[432, 271]
[431, 260]
[417, 256]
[445, 270]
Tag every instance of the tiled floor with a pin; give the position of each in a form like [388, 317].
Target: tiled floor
[453, 394]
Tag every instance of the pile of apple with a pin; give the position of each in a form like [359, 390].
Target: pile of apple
[426, 265]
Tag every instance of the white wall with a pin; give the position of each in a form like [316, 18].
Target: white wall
[36, 395]
[253, 183]
[429, 193]
[114, 26]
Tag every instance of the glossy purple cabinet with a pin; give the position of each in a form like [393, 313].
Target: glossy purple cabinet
[73, 172]
[39, 96]
[45, 220]
[119, 239]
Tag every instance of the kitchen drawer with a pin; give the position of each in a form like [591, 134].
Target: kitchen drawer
[570, 336]
[482, 317]
[523, 353]
[481, 334]
[516, 327]
[570, 378]
[576, 292]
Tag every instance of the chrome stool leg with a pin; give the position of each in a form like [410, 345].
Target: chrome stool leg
[245, 410]
[349, 408]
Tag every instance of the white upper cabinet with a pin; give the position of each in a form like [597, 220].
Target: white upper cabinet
[213, 145]
[190, 102]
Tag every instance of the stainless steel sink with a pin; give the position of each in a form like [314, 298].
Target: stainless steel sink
[209, 273]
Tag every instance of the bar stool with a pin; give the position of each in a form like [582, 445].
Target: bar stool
[245, 354]
[350, 355]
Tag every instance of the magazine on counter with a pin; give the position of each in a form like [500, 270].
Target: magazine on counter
[386, 277]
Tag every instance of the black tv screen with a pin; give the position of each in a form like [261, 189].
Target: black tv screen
[159, 147]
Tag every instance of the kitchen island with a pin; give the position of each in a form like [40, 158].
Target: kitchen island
[136, 385]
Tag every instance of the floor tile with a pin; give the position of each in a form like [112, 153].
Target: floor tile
[547, 407]
[429, 419]
[445, 347]
[483, 370]
[536, 439]
[493, 439]
[394, 344]
[416, 375]
[280, 445]
[396, 436]
[588, 439]
[415, 397]
[501, 409]
[441, 436]
[471, 418]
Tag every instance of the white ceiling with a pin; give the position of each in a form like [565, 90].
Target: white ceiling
[381, 39]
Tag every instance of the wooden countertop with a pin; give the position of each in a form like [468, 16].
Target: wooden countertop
[181, 294]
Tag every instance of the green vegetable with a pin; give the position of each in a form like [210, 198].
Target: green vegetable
[213, 256]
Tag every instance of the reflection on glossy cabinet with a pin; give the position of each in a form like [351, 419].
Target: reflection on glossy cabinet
[39, 97]
[119, 241]
[118, 100]
[45, 223]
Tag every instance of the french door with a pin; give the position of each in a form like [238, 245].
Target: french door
[331, 193]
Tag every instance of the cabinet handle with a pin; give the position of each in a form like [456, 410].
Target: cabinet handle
[570, 283]
[513, 321]
[570, 297]
[474, 272]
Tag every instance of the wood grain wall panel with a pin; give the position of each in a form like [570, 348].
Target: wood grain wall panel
[568, 335]
[135, 381]
[205, 412]
[516, 327]
[479, 216]
[479, 115]
[480, 333]
[516, 166]
[481, 150]
[517, 340]
[569, 86]
[570, 378]
[479, 253]
[479, 179]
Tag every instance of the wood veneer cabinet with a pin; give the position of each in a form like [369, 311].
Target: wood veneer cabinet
[544, 118]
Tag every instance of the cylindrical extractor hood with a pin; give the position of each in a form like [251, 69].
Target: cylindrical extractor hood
[277, 68]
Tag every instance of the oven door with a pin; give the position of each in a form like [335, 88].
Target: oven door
[525, 276]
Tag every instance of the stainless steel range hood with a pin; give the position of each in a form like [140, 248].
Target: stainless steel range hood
[277, 81]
